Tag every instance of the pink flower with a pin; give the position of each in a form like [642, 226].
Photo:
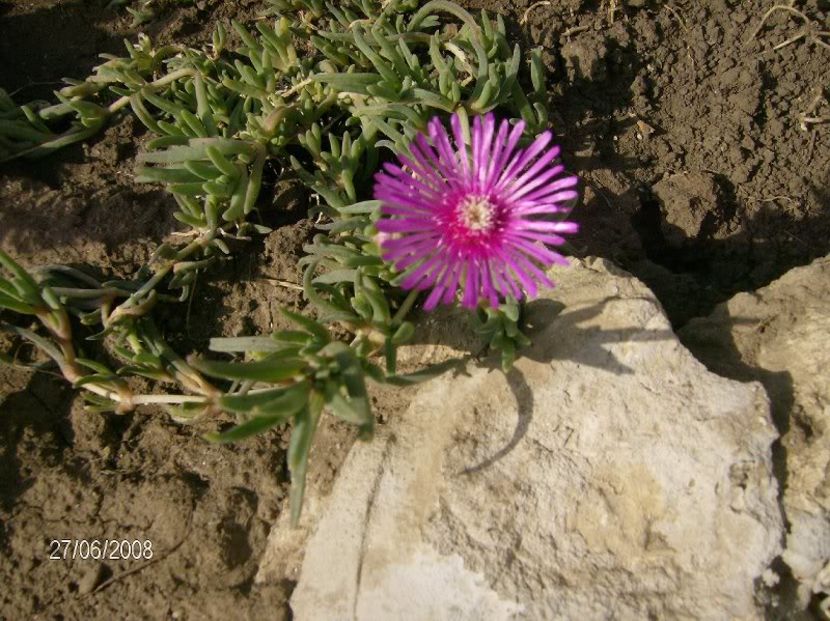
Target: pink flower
[476, 216]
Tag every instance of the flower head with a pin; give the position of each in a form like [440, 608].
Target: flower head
[477, 216]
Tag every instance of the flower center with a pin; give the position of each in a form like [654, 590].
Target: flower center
[477, 213]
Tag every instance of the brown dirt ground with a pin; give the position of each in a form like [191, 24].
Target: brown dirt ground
[699, 178]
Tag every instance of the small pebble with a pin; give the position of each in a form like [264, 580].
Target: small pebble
[644, 128]
[91, 579]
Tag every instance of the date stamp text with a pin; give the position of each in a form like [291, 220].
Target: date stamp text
[100, 549]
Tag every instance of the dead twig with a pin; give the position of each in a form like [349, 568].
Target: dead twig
[687, 35]
[809, 116]
[773, 199]
[809, 29]
[283, 283]
[523, 21]
[612, 11]
[574, 30]
[808, 119]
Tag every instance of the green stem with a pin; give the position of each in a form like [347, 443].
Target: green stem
[151, 284]
[85, 294]
[403, 311]
[168, 399]
[164, 81]
[447, 7]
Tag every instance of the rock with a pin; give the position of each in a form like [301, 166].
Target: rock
[689, 206]
[778, 335]
[92, 578]
[609, 475]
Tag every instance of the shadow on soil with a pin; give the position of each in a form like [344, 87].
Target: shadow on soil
[56, 40]
[27, 417]
[691, 278]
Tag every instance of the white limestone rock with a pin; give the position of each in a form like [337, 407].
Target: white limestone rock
[609, 475]
[779, 335]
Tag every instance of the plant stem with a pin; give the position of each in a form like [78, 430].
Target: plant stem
[403, 311]
[150, 285]
[170, 77]
[169, 399]
[70, 292]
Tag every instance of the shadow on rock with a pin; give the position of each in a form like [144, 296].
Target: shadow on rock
[539, 314]
[546, 317]
[713, 343]
[525, 403]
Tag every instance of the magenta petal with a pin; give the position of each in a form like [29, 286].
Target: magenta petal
[530, 178]
[495, 155]
[451, 284]
[488, 290]
[545, 225]
[540, 194]
[433, 299]
[522, 158]
[442, 143]
[540, 253]
[549, 204]
[461, 144]
[420, 247]
[418, 274]
[405, 225]
[470, 286]
[534, 178]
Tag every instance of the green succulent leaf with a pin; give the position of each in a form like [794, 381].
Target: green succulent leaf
[305, 425]
[283, 401]
[273, 368]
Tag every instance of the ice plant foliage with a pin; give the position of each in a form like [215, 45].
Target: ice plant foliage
[321, 89]
[476, 214]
